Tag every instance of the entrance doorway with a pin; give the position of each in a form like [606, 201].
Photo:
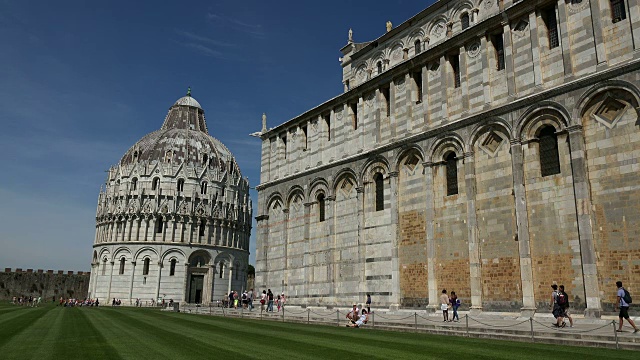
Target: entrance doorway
[196, 286]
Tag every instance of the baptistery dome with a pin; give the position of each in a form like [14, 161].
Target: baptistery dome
[174, 219]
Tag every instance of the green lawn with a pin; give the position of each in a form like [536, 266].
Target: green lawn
[137, 333]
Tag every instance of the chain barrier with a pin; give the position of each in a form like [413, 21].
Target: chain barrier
[497, 326]
[429, 320]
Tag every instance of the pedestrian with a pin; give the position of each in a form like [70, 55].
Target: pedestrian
[623, 301]
[231, 299]
[565, 307]
[235, 300]
[283, 299]
[444, 305]
[353, 314]
[368, 303]
[455, 304]
[269, 300]
[278, 303]
[556, 308]
[263, 300]
[250, 300]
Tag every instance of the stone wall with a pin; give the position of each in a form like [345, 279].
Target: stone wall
[47, 284]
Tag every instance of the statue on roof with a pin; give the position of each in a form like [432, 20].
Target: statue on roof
[189, 91]
[264, 122]
[350, 35]
[389, 26]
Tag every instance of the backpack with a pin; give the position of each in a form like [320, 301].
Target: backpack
[561, 299]
[627, 296]
[244, 296]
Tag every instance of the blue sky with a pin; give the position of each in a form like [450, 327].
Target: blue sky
[82, 81]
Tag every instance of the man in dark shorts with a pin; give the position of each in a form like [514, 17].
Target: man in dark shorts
[624, 309]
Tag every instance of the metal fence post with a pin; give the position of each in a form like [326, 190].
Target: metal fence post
[308, 315]
[241, 312]
[223, 314]
[415, 320]
[209, 309]
[533, 339]
[283, 314]
[338, 317]
[373, 319]
[466, 319]
[261, 309]
[615, 333]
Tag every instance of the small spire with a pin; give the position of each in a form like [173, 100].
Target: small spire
[264, 122]
[189, 91]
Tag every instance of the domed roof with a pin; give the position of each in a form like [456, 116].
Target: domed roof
[183, 138]
[188, 101]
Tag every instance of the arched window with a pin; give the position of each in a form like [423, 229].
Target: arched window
[618, 12]
[221, 269]
[172, 267]
[321, 207]
[180, 185]
[379, 187]
[379, 67]
[134, 184]
[203, 188]
[549, 158]
[417, 47]
[155, 184]
[121, 266]
[452, 173]
[145, 267]
[135, 155]
[464, 21]
[159, 225]
[202, 227]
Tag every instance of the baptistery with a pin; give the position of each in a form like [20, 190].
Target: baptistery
[174, 218]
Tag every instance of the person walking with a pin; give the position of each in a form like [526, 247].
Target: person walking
[556, 308]
[444, 305]
[283, 299]
[623, 301]
[269, 300]
[455, 304]
[250, 300]
[263, 300]
[565, 307]
[368, 303]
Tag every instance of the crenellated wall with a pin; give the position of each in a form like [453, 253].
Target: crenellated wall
[46, 284]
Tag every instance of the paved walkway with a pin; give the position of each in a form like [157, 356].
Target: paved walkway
[585, 332]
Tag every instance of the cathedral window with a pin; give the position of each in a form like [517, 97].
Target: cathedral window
[172, 267]
[159, 225]
[305, 140]
[145, 267]
[134, 184]
[284, 142]
[618, 12]
[203, 188]
[327, 122]
[122, 260]
[417, 81]
[321, 207]
[417, 47]
[498, 46]
[155, 183]
[379, 67]
[180, 185]
[464, 21]
[104, 267]
[354, 115]
[386, 95]
[379, 188]
[201, 229]
[454, 62]
[549, 157]
[452, 173]
[221, 270]
[551, 22]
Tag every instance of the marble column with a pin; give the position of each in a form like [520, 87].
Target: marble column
[133, 274]
[110, 280]
[185, 284]
[475, 267]
[211, 283]
[522, 223]
[432, 283]
[395, 261]
[158, 280]
[582, 196]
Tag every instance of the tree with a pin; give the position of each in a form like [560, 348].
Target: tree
[251, 271]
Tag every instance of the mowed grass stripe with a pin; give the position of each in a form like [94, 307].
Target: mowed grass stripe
[269, 340]
[80, 339]
[175, 336]
[37, 339]
[14, 323]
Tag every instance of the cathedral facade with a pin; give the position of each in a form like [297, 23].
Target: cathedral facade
[175, 217]
[485, 147]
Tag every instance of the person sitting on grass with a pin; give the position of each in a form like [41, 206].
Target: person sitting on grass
[364, 318]
[353, 314]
